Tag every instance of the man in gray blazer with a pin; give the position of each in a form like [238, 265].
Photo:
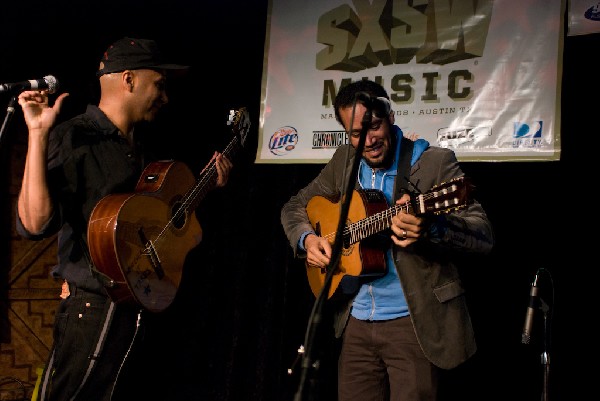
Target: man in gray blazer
[400, 307]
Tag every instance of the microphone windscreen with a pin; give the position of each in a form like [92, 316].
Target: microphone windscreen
[52, 83]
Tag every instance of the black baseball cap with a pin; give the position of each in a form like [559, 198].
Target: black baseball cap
[134, 54]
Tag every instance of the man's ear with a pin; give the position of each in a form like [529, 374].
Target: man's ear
[128, 79]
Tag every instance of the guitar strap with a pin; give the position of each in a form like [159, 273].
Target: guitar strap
[403, 172]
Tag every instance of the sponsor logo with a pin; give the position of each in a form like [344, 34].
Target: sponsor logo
[593, 13]
[283, 141]
[462, 136]
[329, 139]
[527, 135]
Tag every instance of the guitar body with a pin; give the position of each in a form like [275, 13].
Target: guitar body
[140, 240]
[360, 259]
[362, 255]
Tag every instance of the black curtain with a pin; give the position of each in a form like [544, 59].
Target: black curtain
[241, 311]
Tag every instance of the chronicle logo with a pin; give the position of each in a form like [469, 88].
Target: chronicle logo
[283, 141]
[527, 135]
[329, 139]
[462, 136]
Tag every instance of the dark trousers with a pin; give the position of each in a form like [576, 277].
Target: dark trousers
[381, 361]
[92, 338]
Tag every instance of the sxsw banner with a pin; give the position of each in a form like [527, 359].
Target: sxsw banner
[481, 77]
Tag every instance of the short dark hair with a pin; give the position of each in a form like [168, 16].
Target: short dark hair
[347, 96]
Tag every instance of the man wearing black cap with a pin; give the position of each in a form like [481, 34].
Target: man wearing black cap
[68, 170]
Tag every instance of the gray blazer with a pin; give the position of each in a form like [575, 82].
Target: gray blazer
[427, 269]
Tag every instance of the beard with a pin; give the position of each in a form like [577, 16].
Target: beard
[383, 162]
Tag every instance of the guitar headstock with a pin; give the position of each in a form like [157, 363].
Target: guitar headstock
[445, 197]
[240, 123]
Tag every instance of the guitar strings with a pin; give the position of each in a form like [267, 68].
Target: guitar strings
[384, 218]
[363, 228]
[191, 196]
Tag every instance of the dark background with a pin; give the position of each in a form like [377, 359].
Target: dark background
[242, 307]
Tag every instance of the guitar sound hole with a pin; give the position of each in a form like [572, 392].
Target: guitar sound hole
[178, 215]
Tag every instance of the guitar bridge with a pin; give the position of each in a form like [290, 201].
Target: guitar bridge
[152, 255]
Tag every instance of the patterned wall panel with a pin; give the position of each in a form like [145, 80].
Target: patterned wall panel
[29, 295]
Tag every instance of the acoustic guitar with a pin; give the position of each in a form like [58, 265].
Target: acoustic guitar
[363, 257]
[140, 240]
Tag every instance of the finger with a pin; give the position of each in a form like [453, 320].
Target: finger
[400, 233]
[227, 161]
[220, 171]
[59, 101]
[325, 247]
[403, 199]
[314, 260]
[322, 259]
[226, 164]
[400, 242]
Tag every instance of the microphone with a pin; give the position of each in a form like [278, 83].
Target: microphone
[49, 83]
[533, 304]
[376, 102]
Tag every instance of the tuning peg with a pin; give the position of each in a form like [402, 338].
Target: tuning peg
[231, 115]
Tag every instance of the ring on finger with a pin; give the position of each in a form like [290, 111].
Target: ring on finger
[404, 234]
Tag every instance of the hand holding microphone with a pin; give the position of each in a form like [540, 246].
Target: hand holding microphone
[48, 83]
[38, 114]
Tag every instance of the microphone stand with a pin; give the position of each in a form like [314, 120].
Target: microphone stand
[308, 353]
[547, 312]
[545, 357]
[10, 111]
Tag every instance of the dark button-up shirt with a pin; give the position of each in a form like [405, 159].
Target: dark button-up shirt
[87, 160]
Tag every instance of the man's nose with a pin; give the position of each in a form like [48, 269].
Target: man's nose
[371, 138]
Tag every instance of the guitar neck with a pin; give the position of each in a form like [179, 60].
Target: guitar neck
[443, 198]
[208, 177]
[240, 122]
[374, 224]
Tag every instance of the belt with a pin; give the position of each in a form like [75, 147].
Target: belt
[71, 289]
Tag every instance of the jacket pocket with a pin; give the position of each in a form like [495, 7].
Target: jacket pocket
[449, 290]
